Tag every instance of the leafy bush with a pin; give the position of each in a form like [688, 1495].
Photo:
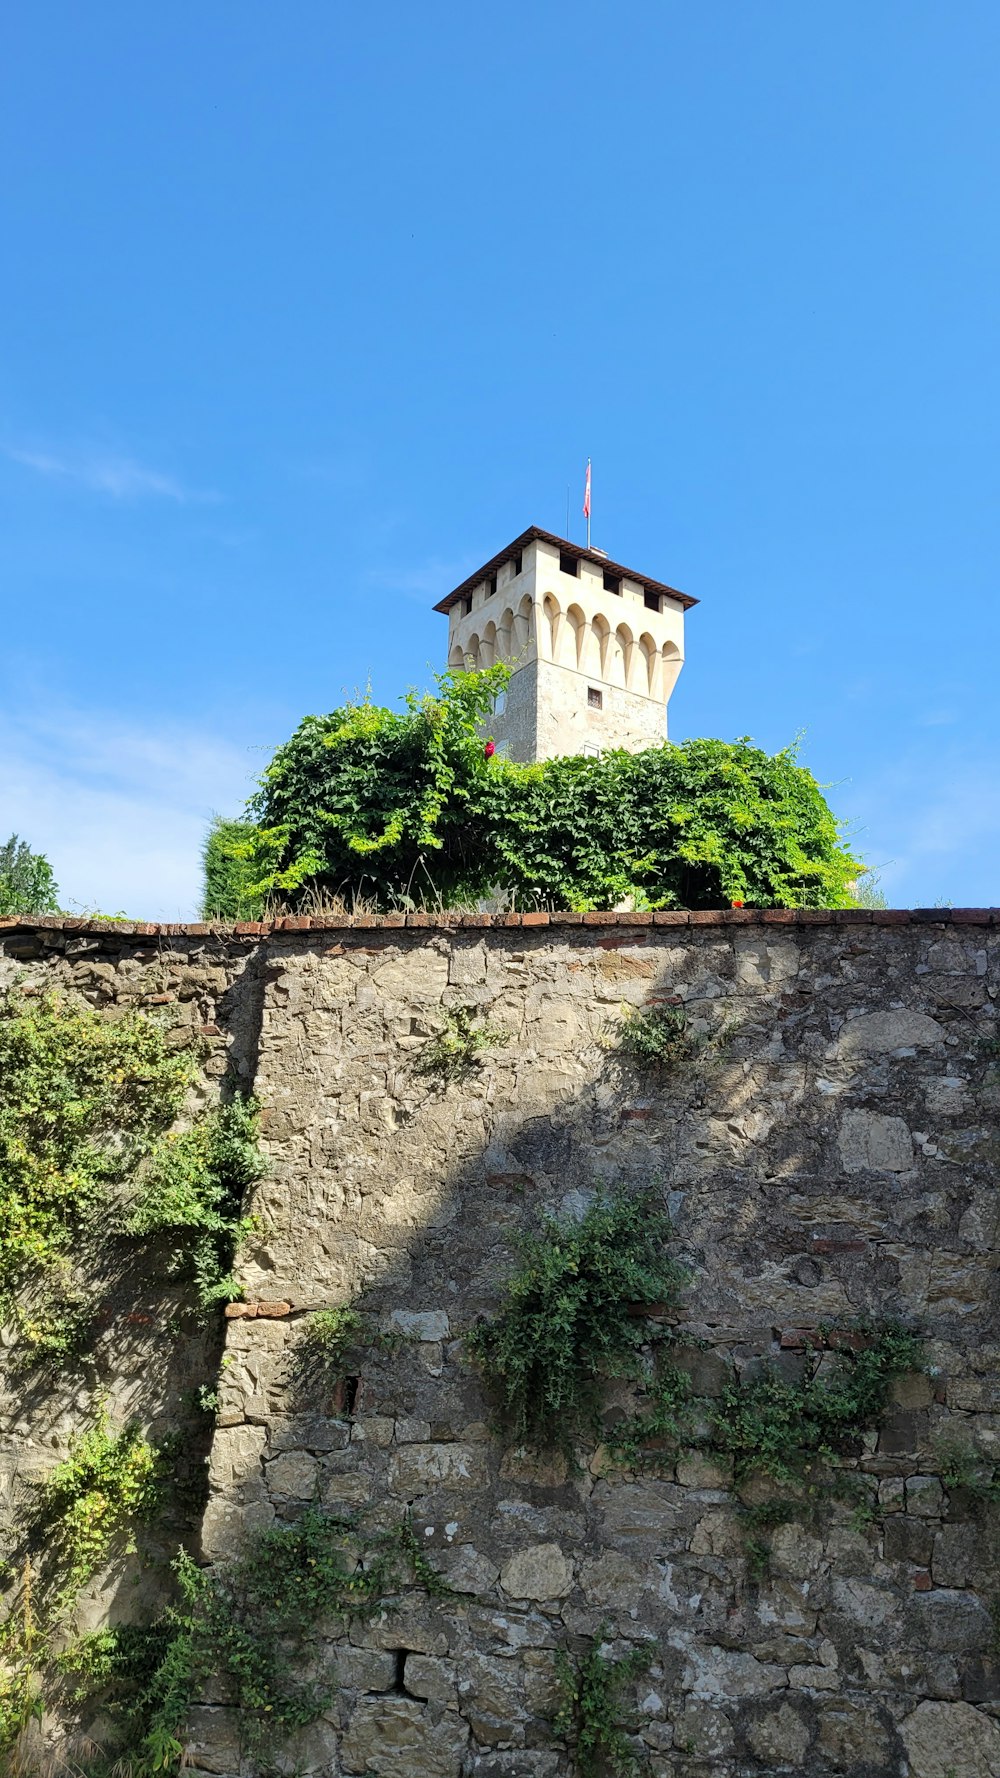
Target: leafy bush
[405, 807]
[27, 885]
[589, 1710]
[568, 1319]
[231, 865]
[192, 1192]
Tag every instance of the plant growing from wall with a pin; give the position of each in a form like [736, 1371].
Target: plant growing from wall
[791, 1430]
[589, 1714]
[246, 1623]
[461, 1044]
[406, 807]
[656, 1038]
[571, 1316]
[113, 1480]
[87, 1151]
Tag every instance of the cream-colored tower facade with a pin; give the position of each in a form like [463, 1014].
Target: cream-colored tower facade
[595, 648]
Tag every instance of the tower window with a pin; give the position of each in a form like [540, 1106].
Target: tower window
[518, 560]
[491, 586]
[569, 565]
[651, 601]
[466, 607]
[595, 698]
[612, 584]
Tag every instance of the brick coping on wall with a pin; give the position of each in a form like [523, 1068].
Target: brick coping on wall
[449, 922]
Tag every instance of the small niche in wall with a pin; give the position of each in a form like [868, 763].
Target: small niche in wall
[612, 583]
[595, 698]
[569, 565]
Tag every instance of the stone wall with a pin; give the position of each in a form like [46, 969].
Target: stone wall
[834, 1157]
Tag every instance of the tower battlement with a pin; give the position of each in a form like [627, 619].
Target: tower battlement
[595, 647]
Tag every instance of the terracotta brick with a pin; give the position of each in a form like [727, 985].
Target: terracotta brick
[538, 918]
[600, 917]
[671, 917]
[839, 1244]
[240, 1311]
[274, 1311]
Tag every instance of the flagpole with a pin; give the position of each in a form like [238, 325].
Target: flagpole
[589, 498]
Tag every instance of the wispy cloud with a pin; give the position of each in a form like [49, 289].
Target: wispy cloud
[119, 809]
[938, 819]
[426, 580]
[119, 477]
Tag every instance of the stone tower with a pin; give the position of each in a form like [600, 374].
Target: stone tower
[596, 648]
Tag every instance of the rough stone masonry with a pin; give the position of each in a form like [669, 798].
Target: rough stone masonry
[831, 1154]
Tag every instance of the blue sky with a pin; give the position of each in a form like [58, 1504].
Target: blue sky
[307, 311]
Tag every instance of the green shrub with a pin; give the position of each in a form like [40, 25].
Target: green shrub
[588, 1716]
[27, 885]
[404, 808]
[231, 865]
[192, 1192]
[657, 1038]
[571, 1317]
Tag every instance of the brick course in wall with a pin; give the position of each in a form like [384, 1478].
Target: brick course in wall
[834, 1156]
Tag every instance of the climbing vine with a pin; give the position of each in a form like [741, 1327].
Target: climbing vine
[409, 808]
[588, 1716]
[571, 1316]
[247, 1623]
[87, 1152]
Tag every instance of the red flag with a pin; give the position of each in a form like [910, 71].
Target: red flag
[586, 493]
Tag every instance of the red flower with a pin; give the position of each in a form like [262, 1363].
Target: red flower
[736, 904]
[489, 750]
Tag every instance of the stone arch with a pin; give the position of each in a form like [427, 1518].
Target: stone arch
[573, 635]
[553, 626]
[523, 620]
[599, 644]
[505, 635]
[648, 665]
[456, 659]
[488, 646]
[620, 652]
[671, 662]
[472, 657]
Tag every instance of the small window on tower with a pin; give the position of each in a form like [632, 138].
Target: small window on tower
[569, 565]
[466, 607]
[491, 586]
[518, 560]
[651, 601]
[612, 584]
[595, 698]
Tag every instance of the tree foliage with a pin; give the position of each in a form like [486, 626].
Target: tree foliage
[27, 885]
[407, 808]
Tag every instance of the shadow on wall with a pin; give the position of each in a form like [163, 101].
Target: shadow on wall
[832, 1158]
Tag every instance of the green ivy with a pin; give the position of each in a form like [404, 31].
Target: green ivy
[112, 1480]
[572, 1317]
[247, 1624]
[87, 1152]
[589, 1712]
[404, 808]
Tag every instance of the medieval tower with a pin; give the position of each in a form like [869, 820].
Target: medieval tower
[595, 647]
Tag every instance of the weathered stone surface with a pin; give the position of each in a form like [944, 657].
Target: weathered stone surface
[879, 1033]
[951, 1741]
[394, 1736]
[541, 1572]
[780, 1735]
[837, 1161]
[871, 1142]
